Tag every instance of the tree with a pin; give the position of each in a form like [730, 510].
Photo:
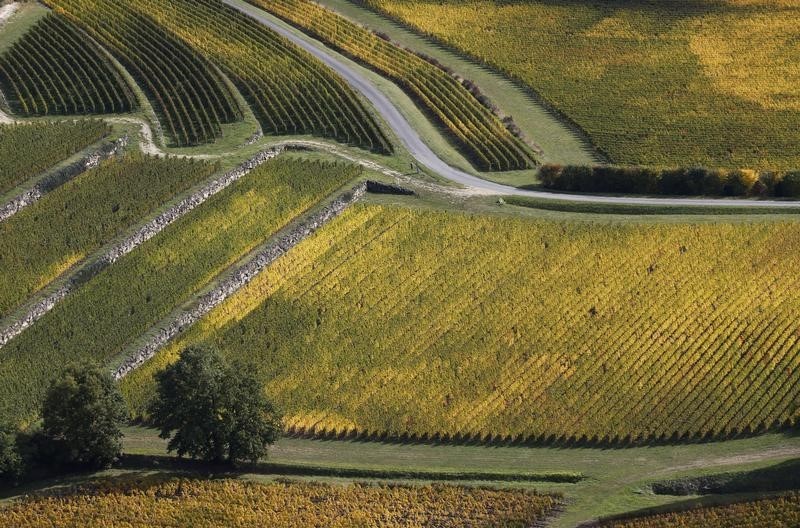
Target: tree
[789, 185]
[82, 415]
[211, 410]
[11, 464]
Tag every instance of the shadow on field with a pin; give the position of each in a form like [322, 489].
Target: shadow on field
[567, 442]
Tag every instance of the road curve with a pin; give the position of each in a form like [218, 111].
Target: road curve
[427, 158]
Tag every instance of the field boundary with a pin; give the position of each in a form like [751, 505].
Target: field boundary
[254, 264]
[35, 311]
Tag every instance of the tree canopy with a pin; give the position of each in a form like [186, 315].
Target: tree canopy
[82, 416]
[212, 410]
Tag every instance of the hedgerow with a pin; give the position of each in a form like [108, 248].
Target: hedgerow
[126, 299]
[72, 221]
[55, 70]
[27, 150]
[475, 130]
[234, 503]
[421, 324]
[187, 92]
[680, 181]
[289, 90]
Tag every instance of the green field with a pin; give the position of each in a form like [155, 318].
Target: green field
[659, 83]
[523, 330]
[68, 224]
[614, 480]
[140, 289]
[27, 150]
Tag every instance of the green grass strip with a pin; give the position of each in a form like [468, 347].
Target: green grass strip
[27, 150]
[134, 461]
[649, 210]
[142, 288]
[69, 223]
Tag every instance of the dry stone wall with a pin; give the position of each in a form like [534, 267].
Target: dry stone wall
[61, 176]
[262, 258]
[39, 308]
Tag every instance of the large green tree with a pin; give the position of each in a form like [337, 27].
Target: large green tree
[82, 416]
[212, 410]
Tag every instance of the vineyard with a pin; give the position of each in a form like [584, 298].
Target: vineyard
[522, 330]
[478, 133]
[777, 513]
[74, 220]
[136, 292]
[152, 503]
[188, 94]
[661, 84]
[289, 90]
[27, 150]
[55, 70]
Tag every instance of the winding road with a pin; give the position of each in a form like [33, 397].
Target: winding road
[412, 141]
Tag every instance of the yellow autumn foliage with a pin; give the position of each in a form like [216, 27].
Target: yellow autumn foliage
[210, 503]
[667, 83]
[392, 321]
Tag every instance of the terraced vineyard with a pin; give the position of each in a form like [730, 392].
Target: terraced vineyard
[27, 150]
[289, 91]
[188, 94]
[778, 512]
[55, 70]
[239, 504]
[476, 131]
[140, 289]
[71, 222]
[662, 83]
[523, 330]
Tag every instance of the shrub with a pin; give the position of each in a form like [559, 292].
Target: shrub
[740, 183]
[789, 185]
[11, 465]
[677, 181]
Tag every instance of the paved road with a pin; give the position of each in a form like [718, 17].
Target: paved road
[427, 158]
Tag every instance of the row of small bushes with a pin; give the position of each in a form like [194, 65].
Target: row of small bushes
[695, 181]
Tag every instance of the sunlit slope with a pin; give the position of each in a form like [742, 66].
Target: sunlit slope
[402, 322]
[125, 300]
[665, 83]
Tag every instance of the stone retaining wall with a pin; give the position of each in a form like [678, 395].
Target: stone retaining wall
[61, 176]
[146, 232]
[241, 276]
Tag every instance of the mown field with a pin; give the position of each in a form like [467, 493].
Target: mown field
[781, 512]
[69, 223]
[185, 502]
[136, 292]
[403, 322]
[662, 83]
[27, 150]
